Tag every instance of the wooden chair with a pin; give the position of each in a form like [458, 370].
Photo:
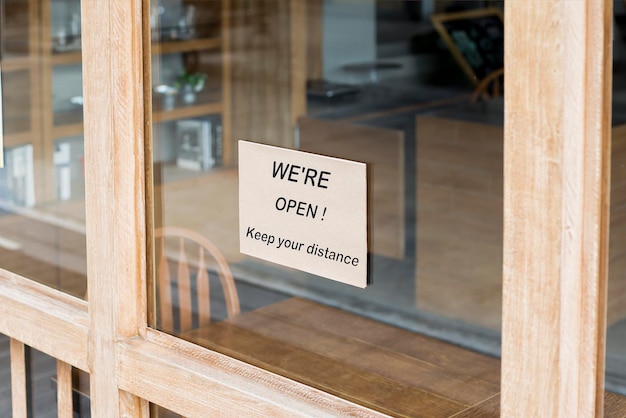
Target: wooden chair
[490, 86]
[80, 379]
[189, 245]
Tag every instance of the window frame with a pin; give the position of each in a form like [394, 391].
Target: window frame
[563, 277]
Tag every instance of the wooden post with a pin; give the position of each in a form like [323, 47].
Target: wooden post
[557, 156]
[64, 390]
[115, 193]
[19, 395]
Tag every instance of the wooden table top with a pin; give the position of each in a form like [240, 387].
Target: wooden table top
[382, 367]
[385, 368]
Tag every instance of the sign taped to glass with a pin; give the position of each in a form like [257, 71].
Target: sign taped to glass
[304, 211]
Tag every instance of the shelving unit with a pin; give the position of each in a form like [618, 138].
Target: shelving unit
[33, 61]
[21, 76]
[20, 71]
[209, 102]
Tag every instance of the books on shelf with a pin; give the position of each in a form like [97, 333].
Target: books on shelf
[199, 143]
[17, 181]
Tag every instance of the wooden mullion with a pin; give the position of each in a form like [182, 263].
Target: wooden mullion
[556, 206]
[19, 396]
[64, 390]
[113, 86]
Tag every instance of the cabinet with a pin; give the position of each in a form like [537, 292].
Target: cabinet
[21, 78]
[41, 69]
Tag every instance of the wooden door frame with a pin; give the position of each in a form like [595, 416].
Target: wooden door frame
[555, 242]
[556, 206]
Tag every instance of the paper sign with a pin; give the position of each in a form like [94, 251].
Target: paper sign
[304, 211]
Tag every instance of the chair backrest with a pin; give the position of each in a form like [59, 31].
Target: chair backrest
[490, 86]
[189, 242]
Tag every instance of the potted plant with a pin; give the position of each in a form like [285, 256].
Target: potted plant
[190, 84]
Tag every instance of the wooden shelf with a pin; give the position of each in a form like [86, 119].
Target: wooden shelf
[16, 64]
[172, 47]
[16, 125]
[66, 58]
[208, 102]
[19, 138]
[68, 123]
[169, 47]
[63, 131]
[192, 111]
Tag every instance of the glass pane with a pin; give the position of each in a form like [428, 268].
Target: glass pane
[42, 222]
[371, 81]
[616, 306]
[5, 377]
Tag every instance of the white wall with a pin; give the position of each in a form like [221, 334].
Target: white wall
[349, 36]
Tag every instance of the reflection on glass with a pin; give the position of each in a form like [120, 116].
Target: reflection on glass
[367, 81]
[42, 233]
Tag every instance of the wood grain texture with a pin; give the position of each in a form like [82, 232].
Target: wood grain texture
[487, 409]
[555, 207]
[215, 383]
[262, 72]
[64, 390]
[375, 365]
[315, 317]
[614, 405]
[115, 193]
[18, 380]
[43, 318]
[459, 219]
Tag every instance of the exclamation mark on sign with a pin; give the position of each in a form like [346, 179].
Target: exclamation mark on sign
[324, 213]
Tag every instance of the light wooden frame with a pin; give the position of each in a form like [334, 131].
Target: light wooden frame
[556, 206]
[556, 225]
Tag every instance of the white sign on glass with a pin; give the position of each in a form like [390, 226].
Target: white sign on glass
[304, 211]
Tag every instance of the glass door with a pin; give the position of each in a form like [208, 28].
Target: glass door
[375, 82]
[179, 317]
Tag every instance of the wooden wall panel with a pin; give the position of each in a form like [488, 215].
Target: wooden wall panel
[314, 39]
[459, 219]
[263, 103]
[556, 176]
